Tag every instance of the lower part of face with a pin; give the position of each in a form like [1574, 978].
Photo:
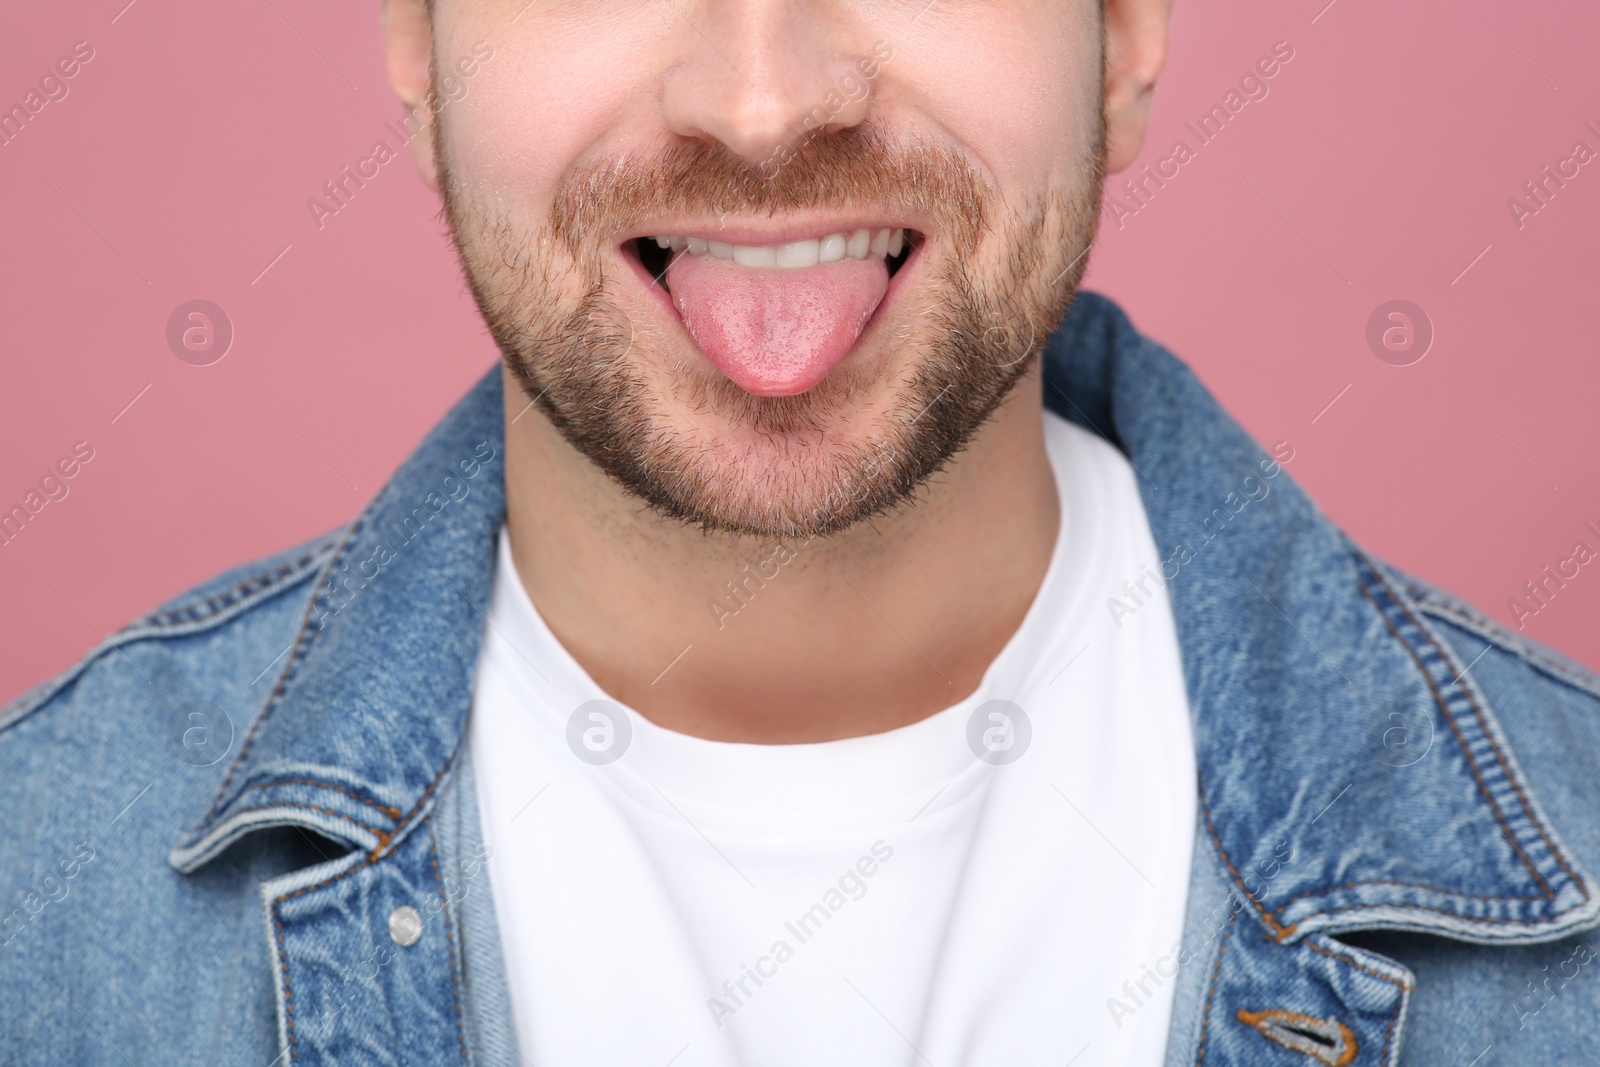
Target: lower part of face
[595, 341]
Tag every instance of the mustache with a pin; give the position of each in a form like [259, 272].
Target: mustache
[859, 167]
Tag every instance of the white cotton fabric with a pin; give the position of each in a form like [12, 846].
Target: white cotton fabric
[889, 899]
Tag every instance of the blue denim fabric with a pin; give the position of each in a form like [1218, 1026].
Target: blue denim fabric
[210, 822]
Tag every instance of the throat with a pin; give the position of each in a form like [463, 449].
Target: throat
[744, 639]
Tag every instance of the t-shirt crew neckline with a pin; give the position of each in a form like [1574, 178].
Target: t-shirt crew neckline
[853, 783]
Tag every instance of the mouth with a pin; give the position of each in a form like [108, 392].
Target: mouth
[776, 318]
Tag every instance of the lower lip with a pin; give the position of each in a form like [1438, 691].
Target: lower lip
[891, 297]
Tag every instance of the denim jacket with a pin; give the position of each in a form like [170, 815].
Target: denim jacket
[242, 830]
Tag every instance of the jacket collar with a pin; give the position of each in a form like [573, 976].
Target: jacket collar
[1351, 773]
[1332, 726]
[371, 702]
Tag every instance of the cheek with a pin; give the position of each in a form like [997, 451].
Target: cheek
[505, 136]
[549, 100]
[1018, 89]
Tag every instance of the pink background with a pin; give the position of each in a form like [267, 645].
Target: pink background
[1378, 167]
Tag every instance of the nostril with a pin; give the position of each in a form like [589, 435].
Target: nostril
[771, 119]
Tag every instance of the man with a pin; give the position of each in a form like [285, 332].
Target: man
[809, 647]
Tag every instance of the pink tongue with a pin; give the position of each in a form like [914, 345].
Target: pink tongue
[775, 331]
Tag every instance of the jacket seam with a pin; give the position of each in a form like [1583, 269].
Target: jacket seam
[283, 956]
[1403, 885]
[1488, 734]
[1507, 641]
[218, 602]
[373, 830]
[1279, 933]
[141, 629]
[288, 995]
[400, 827]
[1444, 709]
[1358, 965]
[302, 647]
[1441, 911]
[370, 859]
[1216, 971]
[449, 941]
[1400, 1002]
[391, 812]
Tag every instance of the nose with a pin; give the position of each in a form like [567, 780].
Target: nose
[761, 75]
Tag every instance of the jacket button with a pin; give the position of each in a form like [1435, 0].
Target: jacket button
[405, 926]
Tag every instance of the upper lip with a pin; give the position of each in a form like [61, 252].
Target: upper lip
[768, 231]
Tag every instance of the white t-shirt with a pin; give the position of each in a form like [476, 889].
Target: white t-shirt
[879, 900]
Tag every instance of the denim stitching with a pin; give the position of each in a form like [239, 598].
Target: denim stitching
[1507, 640]
[1400, 1001]
[1205, 1014]
[218, 602]
[1279, 933]
[302, 647]
[1505, 767]
[1388, 1032]
[373, 830]
[283, 958]
[1256, 1020]
[1478, 712]
[1441, 911]
[288, 996]
[1388, 881]
[426, 793]
[393, 813]
[1358, 965]
[138, 630]
[1466, 750]
[277, 916]
[449, 941]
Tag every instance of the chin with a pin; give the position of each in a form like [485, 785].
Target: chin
[732, 461]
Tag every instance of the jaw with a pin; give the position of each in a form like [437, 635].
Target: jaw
[629, 386]
[632, 391]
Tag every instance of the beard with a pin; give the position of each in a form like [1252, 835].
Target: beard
[660, 421]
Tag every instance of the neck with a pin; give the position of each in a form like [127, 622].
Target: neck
[738, 639]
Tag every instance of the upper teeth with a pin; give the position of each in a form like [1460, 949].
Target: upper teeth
[858, 244]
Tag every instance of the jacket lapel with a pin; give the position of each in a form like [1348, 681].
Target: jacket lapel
[1351, 775]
